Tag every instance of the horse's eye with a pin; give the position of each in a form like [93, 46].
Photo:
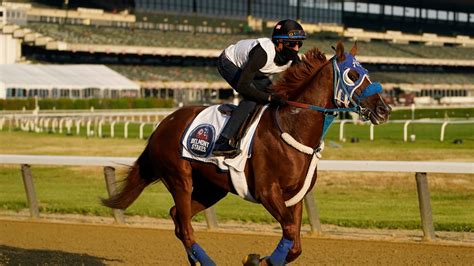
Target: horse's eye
[350, 76]
[353, 75]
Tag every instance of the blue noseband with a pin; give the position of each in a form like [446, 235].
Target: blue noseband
[370, 90]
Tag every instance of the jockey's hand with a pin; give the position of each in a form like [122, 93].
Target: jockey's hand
[277, 99]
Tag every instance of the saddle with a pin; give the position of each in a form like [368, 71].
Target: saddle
[227, 109]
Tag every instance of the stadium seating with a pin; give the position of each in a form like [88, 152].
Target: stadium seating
[161, 73]
[132, 37]
[429, 39]
[426, 78]
[158, 38]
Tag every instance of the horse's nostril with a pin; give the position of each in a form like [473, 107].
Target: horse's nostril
[381, 110]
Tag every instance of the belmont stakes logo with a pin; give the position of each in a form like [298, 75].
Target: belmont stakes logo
[200, 140]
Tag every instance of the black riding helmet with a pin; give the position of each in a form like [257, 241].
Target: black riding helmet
[291, 34]
[288, 30]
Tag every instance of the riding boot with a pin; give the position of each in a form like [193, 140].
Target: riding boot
[223, 147]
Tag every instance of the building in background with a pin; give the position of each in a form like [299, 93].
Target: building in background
[64, 81]
[445, 17]
[421, 49]
[13, 14]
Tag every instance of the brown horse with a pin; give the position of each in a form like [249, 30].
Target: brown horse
[275, 172]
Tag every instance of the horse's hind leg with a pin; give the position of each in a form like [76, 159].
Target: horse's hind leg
[204, 195]
[190, 201]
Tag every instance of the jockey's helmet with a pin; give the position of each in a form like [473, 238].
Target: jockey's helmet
[288, 30]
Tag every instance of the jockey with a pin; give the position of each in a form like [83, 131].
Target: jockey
[247, 65]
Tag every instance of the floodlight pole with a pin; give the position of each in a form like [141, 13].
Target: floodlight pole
[297, 10]
[249, 8]
[66, 5]
[194, 16]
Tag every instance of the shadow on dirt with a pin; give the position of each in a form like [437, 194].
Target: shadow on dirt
[20, 256]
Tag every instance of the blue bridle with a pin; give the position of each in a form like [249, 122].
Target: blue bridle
[344, 89]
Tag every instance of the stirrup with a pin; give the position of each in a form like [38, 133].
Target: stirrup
[227, 153]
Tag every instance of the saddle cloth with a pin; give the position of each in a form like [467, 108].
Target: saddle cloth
[198, 141]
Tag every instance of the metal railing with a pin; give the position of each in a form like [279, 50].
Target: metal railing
[109, 163]
[406, 124]
[55, 122]
[93, 122]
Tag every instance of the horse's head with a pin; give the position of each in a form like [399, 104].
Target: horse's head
[353, 87]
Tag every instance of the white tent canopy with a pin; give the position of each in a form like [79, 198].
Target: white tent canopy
[48, 77]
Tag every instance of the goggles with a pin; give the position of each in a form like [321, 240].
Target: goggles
[292, 44]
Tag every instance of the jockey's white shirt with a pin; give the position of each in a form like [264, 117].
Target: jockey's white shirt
[239, 53]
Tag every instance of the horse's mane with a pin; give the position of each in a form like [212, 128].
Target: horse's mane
[294, 79]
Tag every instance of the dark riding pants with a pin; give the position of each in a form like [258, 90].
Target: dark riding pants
[231, 73]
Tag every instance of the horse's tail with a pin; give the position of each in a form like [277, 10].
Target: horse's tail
[139, 176]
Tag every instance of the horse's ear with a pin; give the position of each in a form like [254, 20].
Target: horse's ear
[340, 51]
[354, 49]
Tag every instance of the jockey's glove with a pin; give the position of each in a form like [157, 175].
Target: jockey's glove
[277, 99]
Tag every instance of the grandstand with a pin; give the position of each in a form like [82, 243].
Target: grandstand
[173, 46]
[156, 38]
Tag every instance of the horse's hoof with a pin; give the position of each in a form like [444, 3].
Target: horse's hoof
[264, 262]
[251, 260]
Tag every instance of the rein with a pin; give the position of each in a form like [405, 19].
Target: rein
[336, 85]
[322, 109]
[342, 89]
[329, 114]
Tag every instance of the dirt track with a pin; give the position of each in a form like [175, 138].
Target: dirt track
[27, 242]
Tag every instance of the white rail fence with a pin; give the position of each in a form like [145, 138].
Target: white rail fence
[406, 124]
[58, 122]
[93, 127]
[109, 163]
[95, 123]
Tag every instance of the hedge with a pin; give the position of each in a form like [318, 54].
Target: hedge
[48, 104]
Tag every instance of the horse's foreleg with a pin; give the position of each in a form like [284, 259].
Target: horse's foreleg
[295, 251]
[290, 221]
